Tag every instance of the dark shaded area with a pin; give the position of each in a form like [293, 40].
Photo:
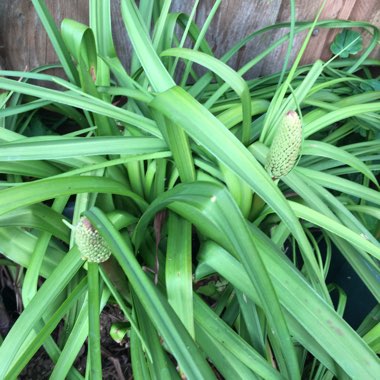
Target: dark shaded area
[360, 301]
[115, 357]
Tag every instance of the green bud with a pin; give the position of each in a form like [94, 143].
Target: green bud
[286, 146]
[92, 246]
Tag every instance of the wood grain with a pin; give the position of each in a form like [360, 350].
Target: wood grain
[305, 11]
[24, 43]
[368, 10]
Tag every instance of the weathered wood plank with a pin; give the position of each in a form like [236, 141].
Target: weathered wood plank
[367, 10]
[305, 11]
[25, 43]
[122, 44]
[338, 9]
[2, 34]
[232, 23]
[319, 46]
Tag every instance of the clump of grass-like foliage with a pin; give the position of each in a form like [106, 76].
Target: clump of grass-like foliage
[220, 269]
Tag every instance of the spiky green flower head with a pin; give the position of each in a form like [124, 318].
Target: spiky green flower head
[286, 146]
[92, 246]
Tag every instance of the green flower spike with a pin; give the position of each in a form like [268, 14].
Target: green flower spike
[92, 246]
[286, 146]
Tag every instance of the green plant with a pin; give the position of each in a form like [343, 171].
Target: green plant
[173, 180]
[346, 43]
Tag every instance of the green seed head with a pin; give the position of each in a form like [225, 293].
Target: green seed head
[285, 147]
[92, 246]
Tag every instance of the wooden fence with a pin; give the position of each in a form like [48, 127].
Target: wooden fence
[23, 42]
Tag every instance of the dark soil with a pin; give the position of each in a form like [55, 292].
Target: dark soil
[115, 357]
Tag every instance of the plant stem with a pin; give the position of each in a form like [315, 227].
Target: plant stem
[93, 321]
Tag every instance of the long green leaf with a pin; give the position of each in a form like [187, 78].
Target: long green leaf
[38, 191]
[178, 270]
[211, 205]
[52, 287]
[236, 82]
[221, 143]
[57, 148]
[319, 148]
[47, 330]
[163, 317]
[37, 216]
[229, 341]
[342, 185]
[81, 100]
[323, 221]
[17, 245]
[161, 81]
[308, 315]
[93, 320]
[56, 39]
